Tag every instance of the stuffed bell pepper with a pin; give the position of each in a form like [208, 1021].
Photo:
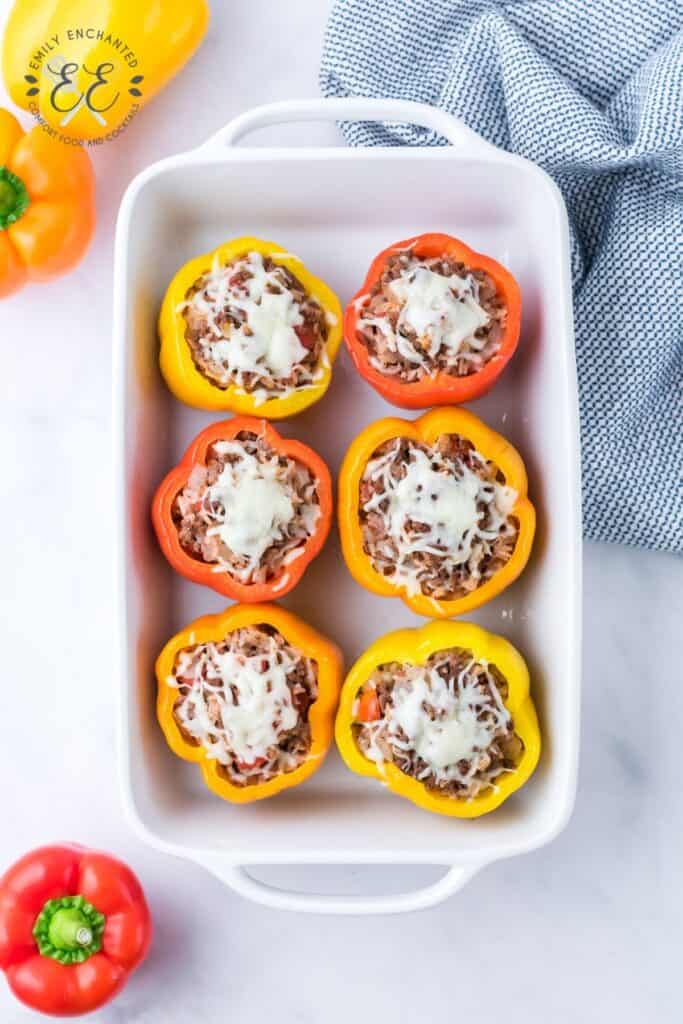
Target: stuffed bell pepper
[249, 695]
[442, 715]
[248, 328]
[435, 511]
[245, 511]
[434, 322]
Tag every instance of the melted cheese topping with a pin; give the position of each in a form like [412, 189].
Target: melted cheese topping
[454, 731]
[442, 312]
[253, 507]
[267, 340]
[249, 694]
[450, 507]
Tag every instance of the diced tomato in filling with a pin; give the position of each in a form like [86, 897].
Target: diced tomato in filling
[307, 336]
[368, 707]
[257, 763]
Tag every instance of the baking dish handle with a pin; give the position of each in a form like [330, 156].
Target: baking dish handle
[350, 108]
[239, 879]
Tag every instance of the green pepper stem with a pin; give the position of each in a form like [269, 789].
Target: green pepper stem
[69, 929]
[14, 198]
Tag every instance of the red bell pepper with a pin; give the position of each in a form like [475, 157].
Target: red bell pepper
[74, 924]
[204, 573]
[441, 388]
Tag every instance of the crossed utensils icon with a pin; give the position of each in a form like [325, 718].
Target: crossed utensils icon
[70, 90]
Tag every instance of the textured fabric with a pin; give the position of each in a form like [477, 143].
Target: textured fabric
[592, 90]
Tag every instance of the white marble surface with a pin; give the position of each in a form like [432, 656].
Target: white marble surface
[587, 928]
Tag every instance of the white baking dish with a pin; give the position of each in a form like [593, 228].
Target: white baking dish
[336, 208]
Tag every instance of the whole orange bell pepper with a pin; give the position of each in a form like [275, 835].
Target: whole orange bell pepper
[47, 205]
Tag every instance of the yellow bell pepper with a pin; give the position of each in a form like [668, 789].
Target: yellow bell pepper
[415, 647]
[320, 716]
[86, 67]
[177, 365]
[493, 447]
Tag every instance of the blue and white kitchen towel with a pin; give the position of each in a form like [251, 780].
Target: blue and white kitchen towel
[592, 90]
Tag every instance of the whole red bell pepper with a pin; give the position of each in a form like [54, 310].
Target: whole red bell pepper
[74, 924]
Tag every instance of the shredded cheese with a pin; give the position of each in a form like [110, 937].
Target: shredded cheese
[265, 342]
[439, 314]
[238, 706]
[449, 724]
[252, 505]
[448, 504]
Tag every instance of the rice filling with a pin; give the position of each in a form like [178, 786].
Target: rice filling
[251, 324]
[248, 511]
[436, 520]
[245, 700]
[424, 317]
[443, 723]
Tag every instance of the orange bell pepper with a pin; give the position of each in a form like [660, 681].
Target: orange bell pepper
[441, 388]
[47, 205]
[213, 628]
[427, 429]
[205, 573]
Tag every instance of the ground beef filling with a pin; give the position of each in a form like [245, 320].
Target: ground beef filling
[408, 554]
[455, 688]
[215, 494]
[216, 311]
[218, 686]
[398, 349]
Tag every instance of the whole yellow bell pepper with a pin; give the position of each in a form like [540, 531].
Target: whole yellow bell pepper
[426, 429]
[415, 647]
[175, 357]
[213, 628]
[86, 68]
